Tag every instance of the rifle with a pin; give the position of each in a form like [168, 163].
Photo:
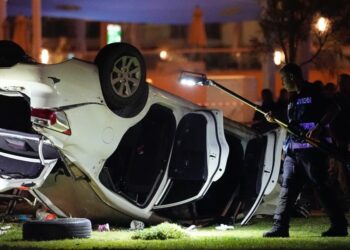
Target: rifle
[330, 149]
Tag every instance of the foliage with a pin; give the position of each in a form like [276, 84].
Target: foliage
[162, 231]
[286, 24]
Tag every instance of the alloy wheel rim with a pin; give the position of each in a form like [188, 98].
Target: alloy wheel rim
[126, 76]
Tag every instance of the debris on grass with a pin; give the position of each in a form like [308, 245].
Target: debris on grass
[4, 229]
[103, 228]
[191, 228]
[162, 231]
[224, 227]
[137, 225]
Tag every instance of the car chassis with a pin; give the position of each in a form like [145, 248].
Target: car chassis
[103, 144]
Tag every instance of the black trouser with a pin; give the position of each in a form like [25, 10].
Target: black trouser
[300, 166]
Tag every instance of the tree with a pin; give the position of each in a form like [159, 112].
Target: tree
[287, 23]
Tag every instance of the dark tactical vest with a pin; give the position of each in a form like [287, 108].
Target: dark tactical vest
[305, 110]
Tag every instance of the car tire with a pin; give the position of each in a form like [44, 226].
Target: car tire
[122, 71]
[58, 229]
[10, 53]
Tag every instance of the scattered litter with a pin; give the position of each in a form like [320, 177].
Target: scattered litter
[23, 217]
[224, 227]
[137, 225]
[16, 218]
[4, 229]
[191, 228]
[103, 228]
[42, 214]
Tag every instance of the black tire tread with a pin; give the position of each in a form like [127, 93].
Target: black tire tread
[64, 228]
[124, 107]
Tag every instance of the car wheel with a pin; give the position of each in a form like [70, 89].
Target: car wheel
[122, 72]
[10, 53]
[58, 229]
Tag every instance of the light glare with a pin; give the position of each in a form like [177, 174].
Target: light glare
[114, 33]
[188, 82]
[163, 55]
[149, 80]
[44, 56]
[322, 24]
[278, 57]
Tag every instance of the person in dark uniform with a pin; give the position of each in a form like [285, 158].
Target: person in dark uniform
[303, 162]
[282, 105]
[259, 122]
[340, 126]
[341, 135]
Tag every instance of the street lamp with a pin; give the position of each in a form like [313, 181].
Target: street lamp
[163, 55]
[322, 24]
[278, 57]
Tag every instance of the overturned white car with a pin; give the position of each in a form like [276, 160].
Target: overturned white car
[95, 140]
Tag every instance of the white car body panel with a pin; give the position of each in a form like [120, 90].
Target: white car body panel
[108, 129]
[73, 86]
[216, 158]
[271, 169]
[36, 81]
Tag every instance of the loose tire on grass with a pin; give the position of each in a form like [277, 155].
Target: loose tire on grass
[122, 71]
[58, 229]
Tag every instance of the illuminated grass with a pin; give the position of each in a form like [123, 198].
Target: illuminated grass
[305, 234]
[163, 231]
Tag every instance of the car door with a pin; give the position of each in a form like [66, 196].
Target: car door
[199, 156]
[271, 169]
[25, 160]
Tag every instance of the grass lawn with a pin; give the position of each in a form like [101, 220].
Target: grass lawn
[305, 234]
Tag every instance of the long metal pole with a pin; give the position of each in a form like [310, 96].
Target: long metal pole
[247, 102]
[325, 147]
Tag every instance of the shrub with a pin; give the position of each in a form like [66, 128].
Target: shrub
[162, 231]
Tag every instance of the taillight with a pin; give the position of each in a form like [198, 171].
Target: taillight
[44, 116]
[52, 119]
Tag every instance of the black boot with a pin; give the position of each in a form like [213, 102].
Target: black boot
[277, 231]
[339, 227]
[336, 231]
